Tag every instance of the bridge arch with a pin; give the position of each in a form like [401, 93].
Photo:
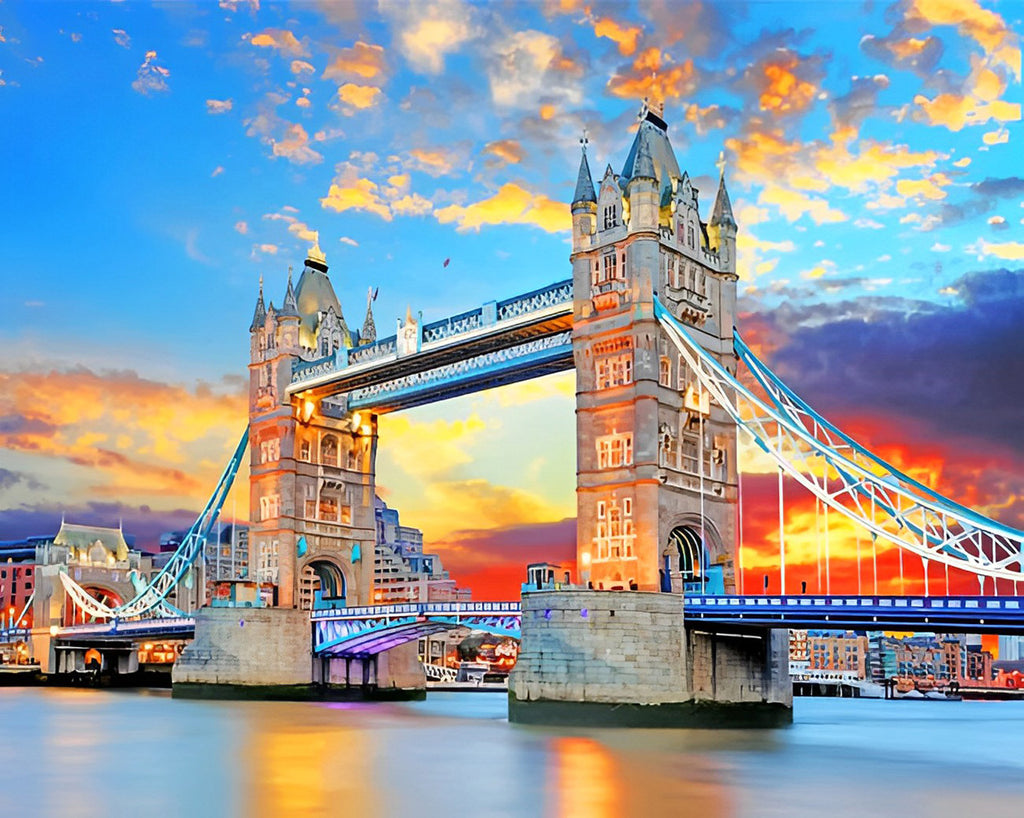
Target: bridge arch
[688, 558]
[73, 615]
[322, 585]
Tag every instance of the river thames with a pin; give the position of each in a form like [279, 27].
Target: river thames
[90, 753]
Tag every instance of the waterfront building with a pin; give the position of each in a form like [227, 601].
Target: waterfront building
[935, 658]
[402, 572]
[1011, 648]
[17, 581]
[101, 560]
[828, 653]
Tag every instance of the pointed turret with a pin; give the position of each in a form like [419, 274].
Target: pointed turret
[584, 182]
[643, 168]
[260, 313]
[722, 212]
[369, 332]
[722, 227]
[290, 308]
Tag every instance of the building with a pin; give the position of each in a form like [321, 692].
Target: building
[828, 654]
[402, 572]
[17, 584]
[311, 487]
[1011, 648]
[930, 659]
[102, 561]
[656, 460]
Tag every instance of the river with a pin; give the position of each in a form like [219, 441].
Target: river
[66, 752]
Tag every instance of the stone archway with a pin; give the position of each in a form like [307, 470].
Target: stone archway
[322, 585]
[73, 615]
[690, 558]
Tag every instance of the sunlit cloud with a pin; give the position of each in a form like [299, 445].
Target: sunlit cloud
[241, 227]
[151, 77]
[1010, 250]
[505, 151]
[427, 32]
[358, 96]
[120, 37]
[794, 205]
[512, 204]
[625, 37]
[280, 40]
[529, 66]
[362, 59]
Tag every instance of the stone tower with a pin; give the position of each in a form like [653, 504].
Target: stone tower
[656, 460]
[311, 481]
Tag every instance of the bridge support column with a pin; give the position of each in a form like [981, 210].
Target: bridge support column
[624, 658]
[394, 674]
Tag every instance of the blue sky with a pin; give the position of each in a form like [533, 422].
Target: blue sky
[160, 158]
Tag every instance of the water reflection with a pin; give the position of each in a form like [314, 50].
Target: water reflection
[101, 753]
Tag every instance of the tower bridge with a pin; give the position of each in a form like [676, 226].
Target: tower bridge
[656, 617]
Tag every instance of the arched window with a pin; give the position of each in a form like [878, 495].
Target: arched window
[664, 376]
[329, 450]
[687, 544]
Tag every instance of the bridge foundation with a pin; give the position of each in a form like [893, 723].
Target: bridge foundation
[264, 653]
[625, 658]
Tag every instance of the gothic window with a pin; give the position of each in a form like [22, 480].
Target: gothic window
[270, 450]
[325, 346]
[610, 271]
[614, 534]
[304, 453]
[261, 341]
[614, 370]
[309, 502]
[666, 447]
[690, 236]
[271, 340]
[270, 507]
[268, 379]
[329, 450]
[611, 216]
[664, 375]
[352, 457]
[267, 562]
[682, 375]
[615, 451]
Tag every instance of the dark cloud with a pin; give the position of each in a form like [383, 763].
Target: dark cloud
[141, 522]
[860, 102]
[958, 369]
[1008, 187]
[9, 479]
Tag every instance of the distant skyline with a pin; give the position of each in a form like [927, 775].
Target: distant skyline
[160, 158]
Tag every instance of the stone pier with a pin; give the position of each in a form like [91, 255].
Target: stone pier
[625, 658]
[265, 653]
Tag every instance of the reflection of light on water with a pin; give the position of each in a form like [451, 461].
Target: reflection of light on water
[306, 768]
[587, 784]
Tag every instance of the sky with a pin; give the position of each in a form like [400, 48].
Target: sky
[159, 158]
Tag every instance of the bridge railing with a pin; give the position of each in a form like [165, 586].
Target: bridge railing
[419, 609]
[453, 327]
[960, 603]
[126, 627]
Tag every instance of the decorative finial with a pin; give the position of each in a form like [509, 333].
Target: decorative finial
[408, 314]
[289, 274]
[315, 253]
[261, 285]
[643, 110]
[585, 139]
[720, 164]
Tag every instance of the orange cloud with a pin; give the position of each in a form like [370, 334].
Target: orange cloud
[131, 436]
[1010, 250]
[508, 151]
[350, 193]
[358, 96]
[782, 90]
[930, 187]
[625, 37]
[654, 76]
[512, 204]
[295, 146]
[984, 26]
[362, 59]
[793, 204]
[281, 40]
[435, 161]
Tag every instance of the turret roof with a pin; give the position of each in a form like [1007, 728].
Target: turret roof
[260, 313]
[584, 183]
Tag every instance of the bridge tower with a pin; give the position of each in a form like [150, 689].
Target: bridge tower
[656, 461]
[311, 483]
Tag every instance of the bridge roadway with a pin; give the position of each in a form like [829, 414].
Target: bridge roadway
[376, 628]
[496, 344]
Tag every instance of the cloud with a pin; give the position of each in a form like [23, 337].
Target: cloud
[241, 227]
[625, 37]
[348, 241]
[362, 59]
[784, 82]
[427, 32]
[218, 106]
[232, 5]
[512, 204]
[120, 37]
[151, 77]
[349, 192]
[412, 205]
[286, 139]
[217, 171]
[930, 187]
[530, 67]
[358, 96]
[266, 249]
[1000, 137]
[984, 26]
[435, 161]
[653, 74]
[117, 434]
[302, 67]
[280, 40]
[794, 205]
[505, 152]
[1010, 250]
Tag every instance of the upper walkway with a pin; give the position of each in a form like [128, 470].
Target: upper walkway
[498, 343]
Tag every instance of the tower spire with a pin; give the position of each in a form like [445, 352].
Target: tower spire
[290, 308]
[584, 182]
[260, 313]
[369, 332]
[722, 212]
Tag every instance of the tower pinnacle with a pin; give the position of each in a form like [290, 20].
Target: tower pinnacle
[584, 182]
[260, 313]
